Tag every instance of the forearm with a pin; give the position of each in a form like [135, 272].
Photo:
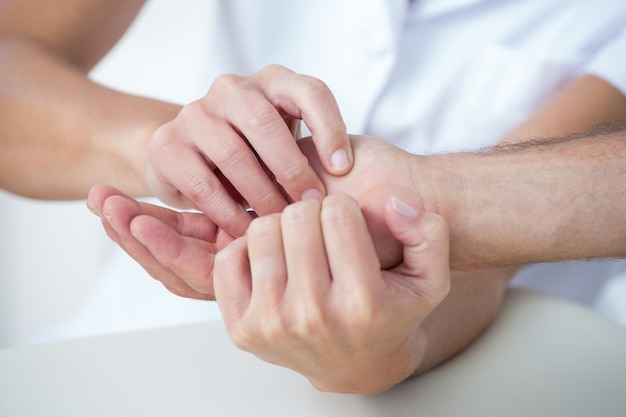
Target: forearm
[528, 203]
[474, 299]
[62, 133]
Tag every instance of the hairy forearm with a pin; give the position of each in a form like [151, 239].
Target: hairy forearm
[536, 202]
[62, 133]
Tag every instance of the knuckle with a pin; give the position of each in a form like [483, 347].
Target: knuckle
[162, 138]
[191, 115]
[338, 209]
[362, 310]
[274, 70]
[261, 116]
[199, 189]
[314, 87]
[274, 327]
[313, 90]
[298, 167]
[309, 320]
[267, 201]
[226, 83]
[275, 67]
[235, 154]
[300, 213]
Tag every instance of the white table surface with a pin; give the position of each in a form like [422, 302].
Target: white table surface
[541, 357]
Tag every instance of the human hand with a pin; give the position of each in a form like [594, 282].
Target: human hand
[180, 246]
[304, 290]
[165, 245]
[237, 144]
[380, 170]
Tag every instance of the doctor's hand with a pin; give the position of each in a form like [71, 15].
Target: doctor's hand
[304, 290]
[166, 245]
[237, 146]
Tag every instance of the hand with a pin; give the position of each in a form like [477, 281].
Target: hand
[305, 290]
[182, 245]
[240, 138]
[175, 258]
[380, 170]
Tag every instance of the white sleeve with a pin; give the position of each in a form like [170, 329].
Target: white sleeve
[609, 63]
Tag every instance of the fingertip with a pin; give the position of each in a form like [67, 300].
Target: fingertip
[137, 228]
[402, 208]
[340, 162]
[312, 194]
[414, 227]
[97, 196]
[92, 208]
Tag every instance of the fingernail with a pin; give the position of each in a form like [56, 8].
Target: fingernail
[91, 208]
[136, 235]
[109, 219]
[403, 208]
[339, 160]
[312, 194]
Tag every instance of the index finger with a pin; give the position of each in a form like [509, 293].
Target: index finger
[311, 100]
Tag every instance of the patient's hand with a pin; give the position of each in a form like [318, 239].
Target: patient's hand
[176, 248]
[305, 290]
[380, 170]
[169, 247]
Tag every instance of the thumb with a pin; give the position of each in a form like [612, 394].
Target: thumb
[426, 259]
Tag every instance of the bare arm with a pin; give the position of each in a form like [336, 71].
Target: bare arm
[571, 194]
[520, 209]
[60, 133]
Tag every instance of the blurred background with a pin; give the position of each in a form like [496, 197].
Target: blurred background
[51, 252]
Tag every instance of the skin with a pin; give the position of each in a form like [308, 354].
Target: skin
[61, 133]
[176, 247]
[288, 295]
[486, 233]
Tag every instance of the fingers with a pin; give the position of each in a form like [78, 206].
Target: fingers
[305, 254]
[267, 260]
[268, 129]
[180, 175]
[311, 100]
[426, 250]
[250, 277]
[245, 127]
[197, 226]
[232, 282]
[189, 259]
[351, 255]
[118, 212]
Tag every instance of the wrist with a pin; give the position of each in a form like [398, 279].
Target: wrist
[133, 150]
[373, 375]
[440, 182]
